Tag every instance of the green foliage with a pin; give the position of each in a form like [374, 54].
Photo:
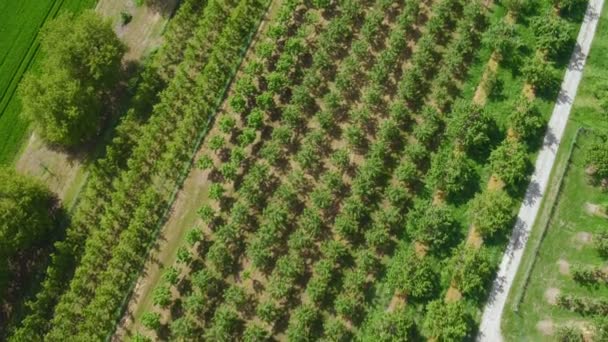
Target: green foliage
[205, 163]
[171, 275]
[447, 321]
[502, 38]
[491, 211]
[450, 171]
[398, 325]
[161, 296]
[432, 225]
[303, 324]
[539, 73]
[82, 62]
[471, 270]
[255, 333]
[138, 337]
[151, 320]
[26, 212]
[182, 328]
[517, 6]
[596, 157]
[509, 161]
[469, 126]
[335, 331]
[569, 333]
[125, 17]
[601, 244]
[194, 235]
[601, 328]
[412, 275]
[551, 33]
[525, 119]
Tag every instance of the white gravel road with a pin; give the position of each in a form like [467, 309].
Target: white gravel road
[489, 329]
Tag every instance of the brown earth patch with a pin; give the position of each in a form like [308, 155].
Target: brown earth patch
[398, 301]
[546, 327]
[495, 183]
[551, 295]
[420, 249]
[55, 168]
[583, 238]
[595, 210]
[453, 295]
[481, 94]
[474, 238]
[563, 266]
[439, 197]
[528, 92]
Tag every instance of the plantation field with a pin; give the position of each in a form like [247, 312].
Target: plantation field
[320, 250]
[309, 170]
[571, 229]
[19, 25]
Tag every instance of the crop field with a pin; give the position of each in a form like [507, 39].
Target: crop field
[575, 224]
[357, 164]
[21, 21]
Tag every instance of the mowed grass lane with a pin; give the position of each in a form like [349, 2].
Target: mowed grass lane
[20, 22]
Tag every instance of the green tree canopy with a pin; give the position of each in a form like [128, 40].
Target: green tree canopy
[82, 61]
[526, 119]
[472, 268]
[26, 215]
[450, 171]
[509, 161]
[552, 34]
[491, 211]
[446, 321]
[432, 225]
[469, 125]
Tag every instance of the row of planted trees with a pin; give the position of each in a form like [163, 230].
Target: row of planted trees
[286, 270]
[468, 133]
[124, 199]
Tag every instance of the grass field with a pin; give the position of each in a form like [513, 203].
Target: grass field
[568, 225]
[20, 22]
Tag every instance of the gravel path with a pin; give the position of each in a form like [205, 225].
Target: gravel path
[489, 329]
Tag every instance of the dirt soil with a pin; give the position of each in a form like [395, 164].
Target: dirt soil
[551, 295]
[57, 169]
[564, 267]
[144, 32]
[546, 327]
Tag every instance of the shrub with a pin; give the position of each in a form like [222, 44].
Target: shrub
[526, 119]
[432, 225]
[472, 268]
[596, 157]
[469, 126]
[151, 320]
[446, 321]
[568, 333]
[491, 212]
[539, 73]
[450, 171]
[509, 161]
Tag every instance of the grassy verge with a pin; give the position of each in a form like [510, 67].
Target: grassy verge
[19, 44]
[526, 304]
